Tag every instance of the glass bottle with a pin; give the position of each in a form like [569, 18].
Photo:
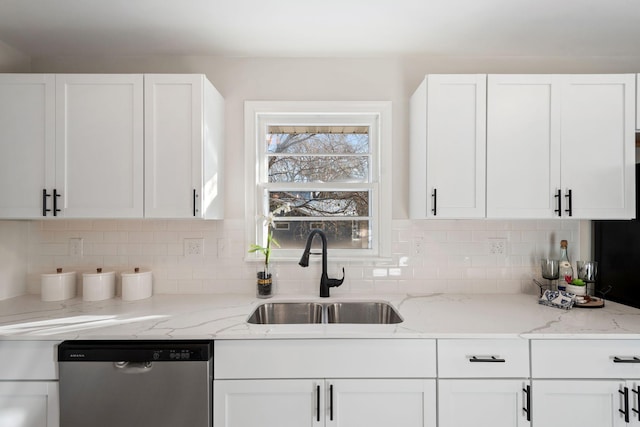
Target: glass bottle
[565, 271]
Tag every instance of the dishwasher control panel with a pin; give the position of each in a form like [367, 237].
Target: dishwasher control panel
[135, 351]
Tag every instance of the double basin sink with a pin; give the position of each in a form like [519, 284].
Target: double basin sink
[353, 312]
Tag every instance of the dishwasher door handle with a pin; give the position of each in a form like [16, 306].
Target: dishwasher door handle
[133, 367]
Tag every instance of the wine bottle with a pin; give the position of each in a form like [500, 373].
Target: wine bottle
[565, 270]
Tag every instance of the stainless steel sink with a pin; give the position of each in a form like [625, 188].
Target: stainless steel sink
[286, 313]
[360, 312]
[369, 312]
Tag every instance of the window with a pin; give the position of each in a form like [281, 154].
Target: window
[329, 162]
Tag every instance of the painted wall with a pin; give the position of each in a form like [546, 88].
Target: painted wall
[456, 255]
[12, 60]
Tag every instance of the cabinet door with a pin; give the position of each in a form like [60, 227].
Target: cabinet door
[29, 404]
[598, 145]
[173, 145]
[483, 403]
[383, 403]
[27, 143]
[578, 403]
[448, 146]
[523, 147]
[99, 145]
[273, 403]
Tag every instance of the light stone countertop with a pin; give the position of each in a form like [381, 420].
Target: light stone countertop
[224, 317]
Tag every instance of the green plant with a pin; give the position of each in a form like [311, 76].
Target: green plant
[269, 224]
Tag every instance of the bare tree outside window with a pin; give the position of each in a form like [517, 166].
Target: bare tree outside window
[323, 173]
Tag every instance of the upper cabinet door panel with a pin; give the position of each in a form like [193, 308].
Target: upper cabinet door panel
[598, 152]
[27, 143]
[173, 145]
[448, 145]
[522, 146]
[99, 145]
[456, 145]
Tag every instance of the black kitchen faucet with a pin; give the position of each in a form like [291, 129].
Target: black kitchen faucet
[325, 281]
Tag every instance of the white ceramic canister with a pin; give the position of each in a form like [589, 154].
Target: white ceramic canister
[136, 284]
[98, 286]
[58, 286]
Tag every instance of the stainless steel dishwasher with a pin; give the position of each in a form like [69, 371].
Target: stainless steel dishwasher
[135, 383]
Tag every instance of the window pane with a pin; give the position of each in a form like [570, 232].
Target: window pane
[318, 169]
[340, 234]
[332, 141]
[321, 203]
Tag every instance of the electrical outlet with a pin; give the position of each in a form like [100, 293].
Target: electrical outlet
[193, 247]
[418, 245]
[221, 248]
[76, 247]
[497, 246]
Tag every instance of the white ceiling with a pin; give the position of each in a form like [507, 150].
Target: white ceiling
[320, 28]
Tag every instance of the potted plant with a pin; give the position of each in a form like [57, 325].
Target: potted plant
[264, 278]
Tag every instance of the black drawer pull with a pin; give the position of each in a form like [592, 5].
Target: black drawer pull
[318, 403]
[44, 202]
[625, 411]
[434, 196]
[527, 408]
[633, 359]
[491, 359]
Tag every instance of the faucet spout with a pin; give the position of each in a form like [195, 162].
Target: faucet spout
[325, 281]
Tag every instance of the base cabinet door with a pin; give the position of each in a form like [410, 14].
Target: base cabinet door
[344, 403]
[29, 404]
[483, 403]
[381, 403]
[582, 403]
[268, 403]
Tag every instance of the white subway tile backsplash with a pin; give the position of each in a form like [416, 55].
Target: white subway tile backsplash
[454, 256]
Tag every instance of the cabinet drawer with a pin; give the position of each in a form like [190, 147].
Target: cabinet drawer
[585, 359]
[324, 358]
[28, 360]
[483, 358]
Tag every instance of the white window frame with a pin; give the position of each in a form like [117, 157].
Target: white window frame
[376, 114]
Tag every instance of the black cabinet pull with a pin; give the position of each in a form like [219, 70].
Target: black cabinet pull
[195, 195]
[44, 202]
[559, 197]
[55, 202]
[625, 412]
[331, 402]
[527, 397]
[434, 196]
[318, 403]
[569, 197]
[490, 359]
[637, 392]
[633, 359]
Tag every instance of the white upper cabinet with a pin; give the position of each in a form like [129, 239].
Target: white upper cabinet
[99, 145]
[561, 146]
[183, 147]
[598, 145]
[27, 144]
[448, 147]
[523, 157]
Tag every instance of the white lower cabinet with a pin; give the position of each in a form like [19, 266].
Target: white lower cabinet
[484, 403]
[28, 384]
[29, 404]
[331, 402]
[325, 382]
[597, 386]
[584, 403]
[483, 383]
